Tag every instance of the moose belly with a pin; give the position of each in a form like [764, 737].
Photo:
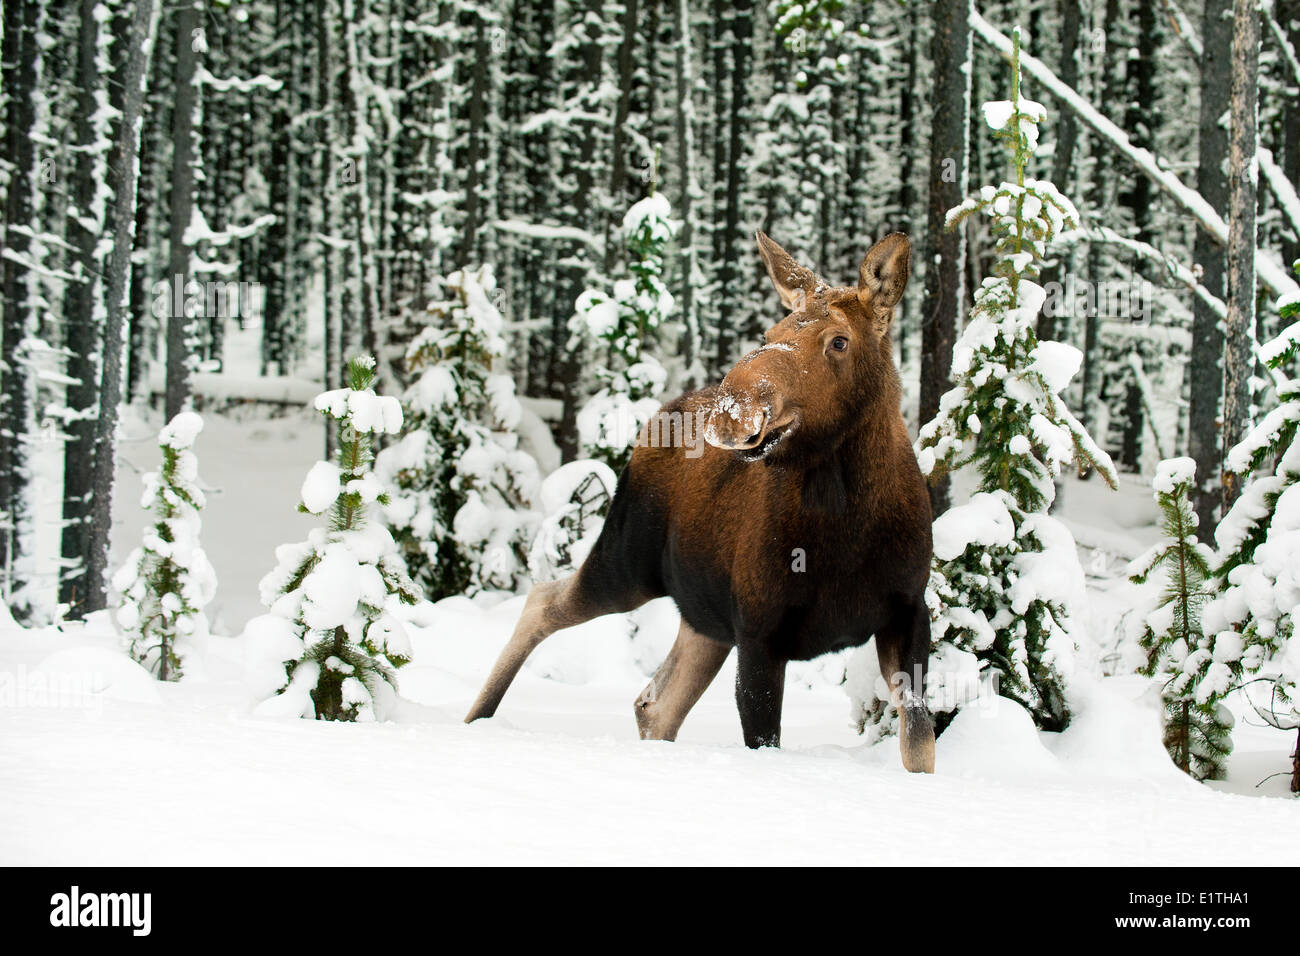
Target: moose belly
[798, 618]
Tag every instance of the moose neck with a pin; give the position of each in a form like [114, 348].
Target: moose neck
[866, 454]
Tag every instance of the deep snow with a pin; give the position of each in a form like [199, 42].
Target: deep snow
[123, 769]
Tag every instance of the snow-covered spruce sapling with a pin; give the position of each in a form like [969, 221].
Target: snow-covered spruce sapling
[1197, 725]
[1006, 581]
[1253, 617]
[167, 581]
[462, 488]
[341, 590]
[630, 380]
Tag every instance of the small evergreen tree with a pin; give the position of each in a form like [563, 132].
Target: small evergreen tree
[461, 510]
[1197, 725]
[625, 322]
[342, 589]
[1253, 616]
[1006, 577]
[167, 582]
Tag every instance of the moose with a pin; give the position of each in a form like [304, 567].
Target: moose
[804, 528]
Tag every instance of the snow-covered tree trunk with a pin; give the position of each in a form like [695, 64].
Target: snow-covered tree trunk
[83, 302]
[1205, 370]
[1243, 175]
[134, 48]
[20, 55]
[688, 264]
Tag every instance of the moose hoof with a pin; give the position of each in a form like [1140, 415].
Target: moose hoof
[652, 723]
[916, 740]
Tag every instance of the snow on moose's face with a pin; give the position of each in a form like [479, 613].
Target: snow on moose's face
[804, 379]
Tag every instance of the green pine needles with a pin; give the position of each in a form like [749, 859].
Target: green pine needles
[1006, 583]
[1253, 615]
[1197, 725]
[341, 592]
[167, 581]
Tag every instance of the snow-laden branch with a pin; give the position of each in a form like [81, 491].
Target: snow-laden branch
[1172, 267]
[259, 82]
[1179, 273]
[1283, 44]
[1183, 27]
[539, 230]
[1270, 274]
[199, 231]
[1283, 191]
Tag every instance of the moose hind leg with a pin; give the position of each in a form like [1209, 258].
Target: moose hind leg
[551, 606]
[904, 652]
[683, 677]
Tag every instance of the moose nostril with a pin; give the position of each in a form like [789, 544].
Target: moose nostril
[753, 439]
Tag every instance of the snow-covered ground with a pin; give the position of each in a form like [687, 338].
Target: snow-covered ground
[101, 764]
[122, 769]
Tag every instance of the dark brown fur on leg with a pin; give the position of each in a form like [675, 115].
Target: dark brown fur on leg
[683, 677]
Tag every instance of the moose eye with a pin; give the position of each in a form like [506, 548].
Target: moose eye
[839, 343]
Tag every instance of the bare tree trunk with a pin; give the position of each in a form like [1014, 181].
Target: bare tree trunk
[1238, 361]
[134, 49]
[1205, 370]
[944, 249]
[20, 53]
[82, 301]
[730, 271]
[685, 130]
[907, 97]
[180, 328]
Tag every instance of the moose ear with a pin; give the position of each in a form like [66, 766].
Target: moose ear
[793, 282]
[883, 274]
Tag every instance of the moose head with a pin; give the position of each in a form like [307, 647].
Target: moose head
[821, 365]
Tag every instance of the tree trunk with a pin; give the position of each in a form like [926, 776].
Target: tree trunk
[1239, 359]
[82, 309]
[685, 119]
[1205, 369]
[907, 162]
[134, 50]
[730, 272]
[180, 327]
[19, 70]
[944, 254]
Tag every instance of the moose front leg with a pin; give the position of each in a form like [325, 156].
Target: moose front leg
[760, 687]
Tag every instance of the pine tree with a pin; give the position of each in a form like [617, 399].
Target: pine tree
[1006, 580]
[1252, 618]
[167, 581]
[463, 490]
[342, 590]
[624, 323]
[1197, 725]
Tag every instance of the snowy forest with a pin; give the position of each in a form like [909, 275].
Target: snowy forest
[328, 327]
